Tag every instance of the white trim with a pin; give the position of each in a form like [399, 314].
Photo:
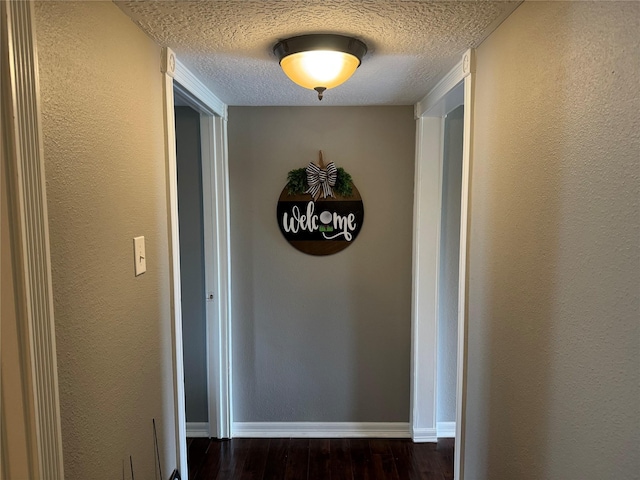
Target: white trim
[321, 430]
[463, 277]
[198, 430]
[426, 244]
[413, 404]
[29, 211]
[187, 82]
[174, 266]
[223, 271]
[207, 151]
[216, 240]
[446, 429]
[439, 101]
[424, 435]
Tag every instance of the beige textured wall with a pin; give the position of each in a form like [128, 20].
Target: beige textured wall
[103, 144]
[322, 339]
[554, 338]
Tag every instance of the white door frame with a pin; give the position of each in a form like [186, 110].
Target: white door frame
[455, 89]
[21, 135]
[213, 131]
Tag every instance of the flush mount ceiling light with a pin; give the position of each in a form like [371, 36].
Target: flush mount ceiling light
[320, 61]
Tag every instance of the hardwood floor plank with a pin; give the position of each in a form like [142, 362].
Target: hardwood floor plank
[383, 467]
[277, 459]
[298, 461]
[446, 449]
[211, 465]
[319, 459]
[361, 459]
[340, 459]
[402, 451]
[446, 467]
[426, 459]
[256, 461]
[379, 446]
[232, 456]
[196, 455]
[446, 445]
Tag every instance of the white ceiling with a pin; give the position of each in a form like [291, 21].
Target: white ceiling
[228, 43]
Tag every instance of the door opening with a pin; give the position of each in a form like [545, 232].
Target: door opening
[447, 316]
[444, 129]
[192, 267]
[182, 88]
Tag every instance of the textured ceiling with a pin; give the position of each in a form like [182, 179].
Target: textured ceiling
[228, 43]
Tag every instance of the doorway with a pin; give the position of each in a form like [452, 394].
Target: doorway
[192, 267]
[182, 89]
[200, 144]
[447, 107]
[448, 270]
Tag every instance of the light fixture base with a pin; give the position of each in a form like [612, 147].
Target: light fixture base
[320, 91]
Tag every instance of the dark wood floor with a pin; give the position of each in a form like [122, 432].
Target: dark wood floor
[335, 459]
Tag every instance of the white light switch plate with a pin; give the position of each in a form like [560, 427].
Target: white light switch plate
[139, 259]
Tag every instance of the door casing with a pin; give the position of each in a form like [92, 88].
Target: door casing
[455, 89]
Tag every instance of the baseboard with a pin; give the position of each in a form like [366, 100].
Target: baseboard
[321, 430]
[424, 435]
[446, 429]
[198, 429]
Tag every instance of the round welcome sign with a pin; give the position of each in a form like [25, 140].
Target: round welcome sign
[320, 211]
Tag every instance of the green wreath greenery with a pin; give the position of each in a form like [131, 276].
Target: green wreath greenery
[297, 182]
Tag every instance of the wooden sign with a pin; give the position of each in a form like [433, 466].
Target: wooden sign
[323, 226]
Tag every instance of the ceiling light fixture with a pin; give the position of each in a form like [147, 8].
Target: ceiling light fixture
[320, 61]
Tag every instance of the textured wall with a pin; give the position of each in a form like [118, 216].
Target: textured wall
[192, 282]
[554, 349]
[449, 262]
[321, 338]
[104, 156]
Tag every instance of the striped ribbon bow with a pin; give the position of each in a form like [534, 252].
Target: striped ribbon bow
[321, 180]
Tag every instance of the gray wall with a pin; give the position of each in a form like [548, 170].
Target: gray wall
[194, 326]
[554, 330]
[449, 262]
[321, 338]
[104, 158]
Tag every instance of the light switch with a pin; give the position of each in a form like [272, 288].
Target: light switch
[140, 260]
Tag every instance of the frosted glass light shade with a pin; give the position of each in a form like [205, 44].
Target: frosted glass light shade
[320, 61]
[319, 68]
